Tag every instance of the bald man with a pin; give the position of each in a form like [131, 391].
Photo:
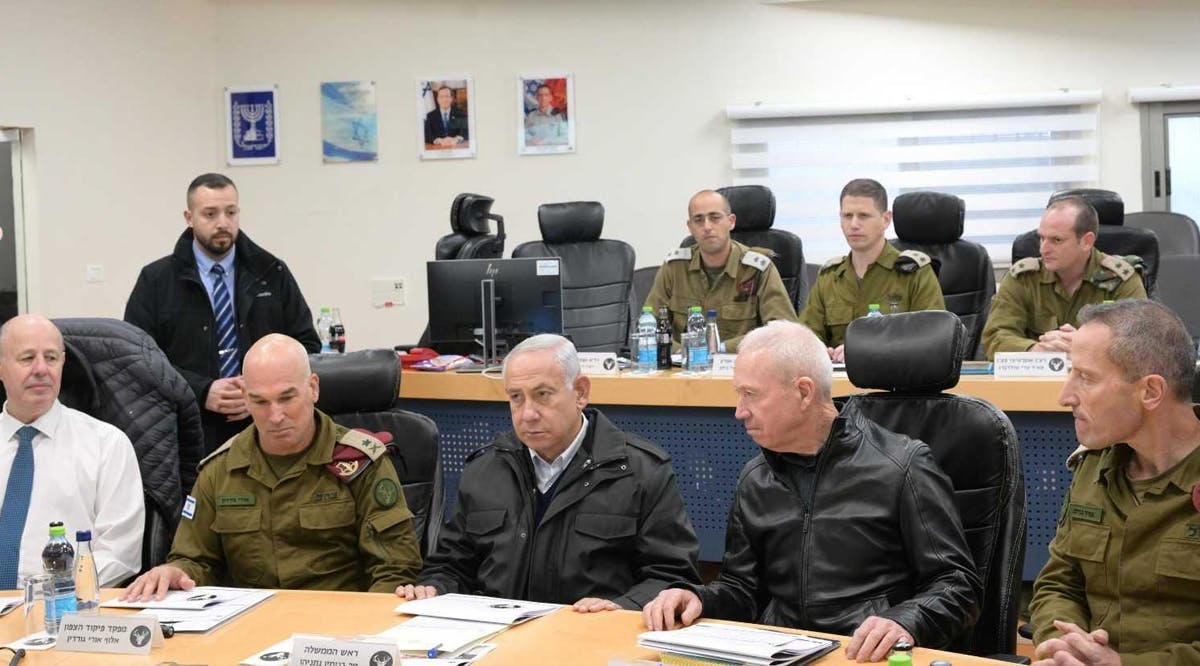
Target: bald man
[294, 501]
[57, 463]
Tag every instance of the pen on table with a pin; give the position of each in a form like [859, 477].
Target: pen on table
[433, 651]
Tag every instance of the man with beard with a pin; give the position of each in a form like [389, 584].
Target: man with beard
[211, 299]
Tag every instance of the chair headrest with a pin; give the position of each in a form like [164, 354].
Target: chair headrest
[754, 206]
[928, 217]
[1108, 204]
[911, 352]
[571, 222]
[469, 213]
[358, 381]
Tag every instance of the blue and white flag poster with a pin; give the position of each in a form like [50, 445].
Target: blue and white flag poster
[252, 125]
[349, 123]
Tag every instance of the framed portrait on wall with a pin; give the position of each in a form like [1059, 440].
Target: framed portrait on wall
[252, 124]
[546, 122]
[446, 118]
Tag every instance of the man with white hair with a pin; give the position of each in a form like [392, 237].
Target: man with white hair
[566, 509]
[838, 525]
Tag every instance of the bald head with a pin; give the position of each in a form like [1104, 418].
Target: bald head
[31, 363]
[281, 394]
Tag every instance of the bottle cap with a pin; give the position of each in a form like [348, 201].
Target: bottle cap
[647, 308]
[873, 306]
[83, 535]
[694, 308]
[324, 309]
[712, 313]
[57, 529]
[900, 659]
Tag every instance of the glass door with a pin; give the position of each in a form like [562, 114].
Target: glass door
[12, 250]
[1171, 157]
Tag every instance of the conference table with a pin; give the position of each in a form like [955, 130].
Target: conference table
[691, 417]
[561, 638]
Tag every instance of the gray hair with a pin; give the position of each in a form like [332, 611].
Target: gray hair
[796, 352]
[564, 353]
[1148, 339]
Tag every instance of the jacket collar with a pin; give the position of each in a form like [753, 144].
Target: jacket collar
[245, 451]
[602, 443]
[247, 256]
[1047, 276]
[1114, 459]
[736, 252]
[886, 259]
[846, 429]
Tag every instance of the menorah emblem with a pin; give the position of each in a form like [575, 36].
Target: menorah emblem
[252, 113]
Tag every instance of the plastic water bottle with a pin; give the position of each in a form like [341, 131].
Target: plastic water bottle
[647, 341]
[337, 333]
[87, 579]
[712, 334]
[324, 323]
[664, 338]
[58, 560]
[697, 343]
[873, 310]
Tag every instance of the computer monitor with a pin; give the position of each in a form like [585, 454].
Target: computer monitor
[527, 298]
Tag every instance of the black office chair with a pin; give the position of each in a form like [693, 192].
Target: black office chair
[1177, 289]
[597, 274]
[913, 357]
[115, 372]
[754, 208]
[932, 222]
[1111, 238]
[472, 237]
[361, 390]
[1177, 234]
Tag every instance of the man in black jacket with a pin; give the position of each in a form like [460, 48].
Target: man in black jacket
[838, 525]
[211, 299]
[568, 509]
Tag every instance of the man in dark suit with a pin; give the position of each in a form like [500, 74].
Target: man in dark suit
[446, 125]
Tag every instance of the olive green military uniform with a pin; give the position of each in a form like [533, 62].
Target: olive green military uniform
[897, 282]
[312, 529]
[1126, 559]
[746, 295]
[1031, 301]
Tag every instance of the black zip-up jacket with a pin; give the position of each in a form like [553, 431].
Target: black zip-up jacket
[882, 537]
[170, 303]
[615, 528]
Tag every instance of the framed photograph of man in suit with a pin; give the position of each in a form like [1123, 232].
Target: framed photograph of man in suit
[446, 118]
[546, 121]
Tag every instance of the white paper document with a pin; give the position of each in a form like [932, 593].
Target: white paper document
[10, 604]
[477, 608]
[747, 645]
[442, 635]
[275, 655]
[198, 610]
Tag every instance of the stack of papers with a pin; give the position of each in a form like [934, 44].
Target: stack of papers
[477, 608]
[198, 610]
[708, 643]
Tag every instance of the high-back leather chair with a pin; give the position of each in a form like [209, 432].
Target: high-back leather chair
[932, 222]
[913, 357]
[472, 236]
[597, 274]
[1111, 238]
[754, 208]
[361, 390]
[1177, 233]
[1177, 289]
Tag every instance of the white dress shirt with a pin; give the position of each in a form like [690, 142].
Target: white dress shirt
[85, 474]
[546, 473]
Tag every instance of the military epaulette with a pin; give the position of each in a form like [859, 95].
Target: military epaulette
[1076, 457]
[911, 261]
[1025, 265]
[679, 254]
[757, 260]
[220, 451]
[354, 452]
[831, 264]
[1112, 272]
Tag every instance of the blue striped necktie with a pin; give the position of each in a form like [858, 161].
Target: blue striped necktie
[227, 343]
[16, 508]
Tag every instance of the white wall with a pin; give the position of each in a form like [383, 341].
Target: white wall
[652, 81]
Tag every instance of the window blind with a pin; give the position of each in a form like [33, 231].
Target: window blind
[1003, 158]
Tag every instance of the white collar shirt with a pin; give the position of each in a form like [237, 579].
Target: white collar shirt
[546, 473]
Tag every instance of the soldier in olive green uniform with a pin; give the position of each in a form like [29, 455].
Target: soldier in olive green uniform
[1031, 299]
[1124, 565]
[333, 519]
[746, 293]
[896, 281]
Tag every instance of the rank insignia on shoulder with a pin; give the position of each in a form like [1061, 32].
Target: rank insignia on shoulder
[1025, 266]
[756, 260]
[911, 261]
[353, 453]
[831, 264]
[1117, 266]
[679, 254]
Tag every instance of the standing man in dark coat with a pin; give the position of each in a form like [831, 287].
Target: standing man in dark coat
[211, 299]
[566, 509]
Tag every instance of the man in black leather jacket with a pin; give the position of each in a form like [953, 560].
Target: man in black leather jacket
[566, 509]
[839, 525]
